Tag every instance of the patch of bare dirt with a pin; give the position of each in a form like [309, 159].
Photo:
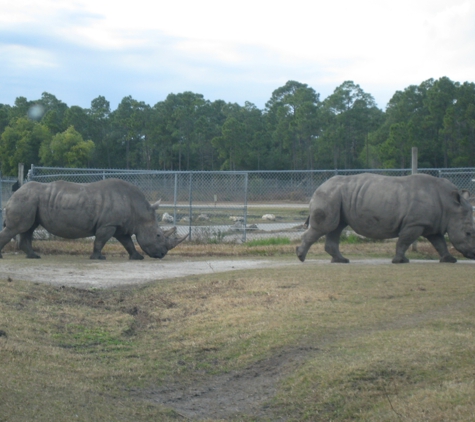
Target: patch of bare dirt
[249, 392]
[232, 395]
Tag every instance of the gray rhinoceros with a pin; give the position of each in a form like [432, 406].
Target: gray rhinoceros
[383, 207]
[105, 209]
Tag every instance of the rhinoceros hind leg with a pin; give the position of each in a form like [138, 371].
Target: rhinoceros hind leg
[26, 243]
[332, 245]
[308, 239]
[5, 236]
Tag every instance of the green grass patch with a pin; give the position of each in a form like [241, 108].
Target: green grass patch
[77, 337]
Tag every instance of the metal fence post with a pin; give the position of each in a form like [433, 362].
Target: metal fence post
[21, 173]
[246, 178]
[414, 171]
[414, 160]
[175, 193]
[190, 197]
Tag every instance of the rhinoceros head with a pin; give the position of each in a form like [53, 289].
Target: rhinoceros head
[156, 243]
[461, 229]
[153, 240]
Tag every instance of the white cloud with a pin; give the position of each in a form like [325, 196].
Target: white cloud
[239, 51]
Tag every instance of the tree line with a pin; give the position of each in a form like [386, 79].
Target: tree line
[295, 131]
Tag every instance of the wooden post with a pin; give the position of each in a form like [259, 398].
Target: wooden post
[414, 171]
[21, 173]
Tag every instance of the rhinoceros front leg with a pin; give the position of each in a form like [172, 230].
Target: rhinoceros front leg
[440, 246]
[103, 234]
[406, 238]
[332, 245]
[129, 246]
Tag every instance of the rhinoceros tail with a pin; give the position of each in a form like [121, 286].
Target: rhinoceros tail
[307, 221]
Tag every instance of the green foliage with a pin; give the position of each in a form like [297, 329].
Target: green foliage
[293, 125]
[295, 130]
[20, 143]
[66, 149]
[350, 115]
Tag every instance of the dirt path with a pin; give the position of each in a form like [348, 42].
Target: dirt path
[83, 273]
[247, 392]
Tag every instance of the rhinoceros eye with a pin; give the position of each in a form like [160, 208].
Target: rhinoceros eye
[468, 233]
[158, 234]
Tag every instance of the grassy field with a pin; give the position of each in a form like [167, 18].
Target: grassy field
[301, 343]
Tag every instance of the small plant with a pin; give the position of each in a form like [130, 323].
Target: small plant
[205, 235]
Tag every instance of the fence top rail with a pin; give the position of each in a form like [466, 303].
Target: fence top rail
[98, 171]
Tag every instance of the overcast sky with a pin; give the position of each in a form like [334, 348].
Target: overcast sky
[235, 51]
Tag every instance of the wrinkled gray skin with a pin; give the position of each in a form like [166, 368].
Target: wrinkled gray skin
[383, 207]
[105, 209]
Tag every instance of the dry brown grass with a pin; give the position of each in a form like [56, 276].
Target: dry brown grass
[365, 342]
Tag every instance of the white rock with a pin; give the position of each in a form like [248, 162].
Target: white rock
[167, 218]
[270, 217]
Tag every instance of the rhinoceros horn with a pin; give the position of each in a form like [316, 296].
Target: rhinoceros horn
[172, 242]
[155, 205]
[169, 232]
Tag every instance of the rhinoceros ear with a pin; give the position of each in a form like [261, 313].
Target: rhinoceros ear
[155, 205]
[457, 196]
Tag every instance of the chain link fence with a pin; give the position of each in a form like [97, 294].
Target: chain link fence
[229, 206]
